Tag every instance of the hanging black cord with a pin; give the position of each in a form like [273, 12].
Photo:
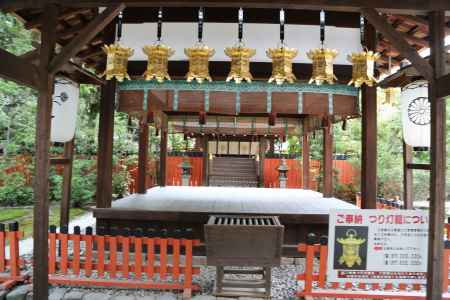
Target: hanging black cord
[322, 27]
[241, 24]
[160, 16]
[282, 22]
[119, 26]
[361, 30]
[200, 24]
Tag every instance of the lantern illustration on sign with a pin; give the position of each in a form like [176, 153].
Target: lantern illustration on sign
[350, 248]
[158, 57]
[117, 57]
[416, 114]
[199, 56]
[240, 56]
[363, 66]
[66, 98]
[322, 59]
[282, 58]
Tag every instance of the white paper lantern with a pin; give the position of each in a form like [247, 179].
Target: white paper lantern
[66, 99]
[416, 114]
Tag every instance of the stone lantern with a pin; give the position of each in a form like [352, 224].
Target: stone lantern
[282, 173]
[186, 172]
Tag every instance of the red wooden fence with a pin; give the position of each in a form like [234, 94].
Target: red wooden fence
[127, 260]
[10, 274]
[173, 171]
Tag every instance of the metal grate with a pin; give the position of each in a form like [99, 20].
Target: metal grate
[244, 220]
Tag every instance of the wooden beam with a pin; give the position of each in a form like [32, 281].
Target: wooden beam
[398, 41]
[328, 160]
[305, 160]
[412, 166]
[143, 154]
[86, 35]
[262, 158]
[438, 160]
[205, 166]
[18, 69]
[42, 159]
[67, 184]
[59, 161]
[37, 21]
[408, 199]
[399, 6]
[369, 135]
[163, 151]
[443, 86]
[105, 135]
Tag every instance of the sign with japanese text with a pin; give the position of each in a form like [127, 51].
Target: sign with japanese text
[377, 246]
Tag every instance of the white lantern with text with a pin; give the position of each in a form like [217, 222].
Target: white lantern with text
[416, 114]
[66, 99]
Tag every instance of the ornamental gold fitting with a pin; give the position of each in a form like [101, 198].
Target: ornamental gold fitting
[158, 61]
[322, 60]
[282, 64]
[240, 63]
[117, 61]
[199, 56]
[363, 68]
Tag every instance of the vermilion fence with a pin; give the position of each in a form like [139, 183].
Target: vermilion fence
[138, 259]
[314, 283]
[173, 171]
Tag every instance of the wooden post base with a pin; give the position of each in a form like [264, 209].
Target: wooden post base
[251, 287]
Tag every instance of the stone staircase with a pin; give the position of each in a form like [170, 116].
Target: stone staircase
[233, 171]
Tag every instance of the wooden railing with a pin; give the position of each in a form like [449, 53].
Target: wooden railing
[315, 284]
[144, 260]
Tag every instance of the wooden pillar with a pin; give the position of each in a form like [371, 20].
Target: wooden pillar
[408, 196]
[205, 165]
[327, 160]
[272, 145]
[262, 158]
[438, 159]
[42, 161]
[305, 160]
[369, 134]
[105, 136]
[142, 155]
[163, 152]
[67, 184]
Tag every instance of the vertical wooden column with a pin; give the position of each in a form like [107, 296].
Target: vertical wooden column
[105, 135]
[67, 184]
[42, 161]
[305, 160]
[143, 154]
[163, 151]
[272, 145]
[369, 134]
[205, 165]
[407, 177]
[327, 160]
[262, 158]
[438, 159]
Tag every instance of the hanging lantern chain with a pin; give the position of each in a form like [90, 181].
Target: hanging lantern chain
[362, 31]
[322, 27]
[160, 16]
[119, 26]
[282, 22]
[241, 24]
[200, 24]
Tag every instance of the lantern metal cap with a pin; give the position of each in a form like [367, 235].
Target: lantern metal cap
[185, 164]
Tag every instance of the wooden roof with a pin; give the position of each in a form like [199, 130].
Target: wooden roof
[72, 20]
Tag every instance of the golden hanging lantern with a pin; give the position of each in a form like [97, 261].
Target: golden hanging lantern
[282, 64]
[390, 94]
[240, 63]
[117, 61]
[350, 248]
[363, 68]
[158, 61]
[199, 56]
[322, 61]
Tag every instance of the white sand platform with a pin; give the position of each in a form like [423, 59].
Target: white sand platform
[232, 200]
